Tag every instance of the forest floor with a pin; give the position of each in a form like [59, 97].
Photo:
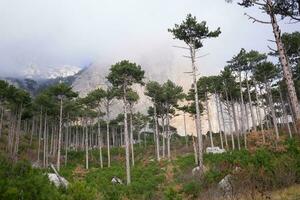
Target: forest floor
[258, 174]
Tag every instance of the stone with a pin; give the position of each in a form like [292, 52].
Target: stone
[226, 185]
[215, 150]
[116, 180]
[57, 181]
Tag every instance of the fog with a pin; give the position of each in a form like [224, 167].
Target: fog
[78, 32]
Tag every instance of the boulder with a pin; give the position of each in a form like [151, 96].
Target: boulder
[196, 170]
[225, 185]
[57, 181]
[214, 150]
[116, 180]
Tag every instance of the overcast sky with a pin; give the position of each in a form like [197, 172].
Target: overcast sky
[49, 33]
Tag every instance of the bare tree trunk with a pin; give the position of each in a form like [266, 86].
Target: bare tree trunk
[292, 115]
[128, 177]
[86, 138]
[32, 130]
[209, 122]
[168, 134]
[45, 140]
[271, 104]
[108, 142]
[131, 138]
[164, 137]
[1, 119]
[254, 122]
[185, 132]
[219, 122]
[284, 62]
[236, 125]
[59, 135]
[229, 117]
[258, 110]
[247, 118]
[156, 133]
[223, 123]
[100, 143]
[199, 136]
[51, 140]
[18, 131]
[285, 115]
[242, 109]
[67, 141]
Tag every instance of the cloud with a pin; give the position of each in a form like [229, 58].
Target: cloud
[77, 32]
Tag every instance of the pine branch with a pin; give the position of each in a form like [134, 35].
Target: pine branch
[256, 20]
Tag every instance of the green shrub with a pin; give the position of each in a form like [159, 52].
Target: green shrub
[192, 188]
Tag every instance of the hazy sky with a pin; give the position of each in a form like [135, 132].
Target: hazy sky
[77, 32]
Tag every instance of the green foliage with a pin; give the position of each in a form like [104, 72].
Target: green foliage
[192, 32]
[192, 188]
[125, 73]
[171, 194]
[79, 190]
[20, 181]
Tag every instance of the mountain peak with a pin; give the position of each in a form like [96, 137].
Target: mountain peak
[35, 72]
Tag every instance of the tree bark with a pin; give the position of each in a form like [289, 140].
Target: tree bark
[284, 62]
[271, 104]
[1, 119]
[18, 131]
[254, 123]
[86, 138]
[131, 138]
[199, 136]
[59, 135]
[283, 107]
[127, 152]
[45, 140]
[168, 134]
[100, 142]
[156, 133]
[209, 122]
[219, 122]
[185, 132]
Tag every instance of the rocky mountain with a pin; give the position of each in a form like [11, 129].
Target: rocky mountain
[94, 76]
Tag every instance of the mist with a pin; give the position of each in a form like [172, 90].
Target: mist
[54, 32]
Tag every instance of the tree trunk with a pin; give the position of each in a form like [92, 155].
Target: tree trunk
[1, 119]
[18, 131]
[254, 123]
[59, 135]
[271, 104]
[100, 143]
[292, 115]
[199, 136]
[164, 137]
[283, 107]
[258, 110]
[229, 117]
[32, 130]
[67, 141]
[86, 138]
[185, 132]
[168, 134]
[236, 125]
[284, 62]
[45, 140]
[209, 122]
[128, 177]
[156, 133]
[131, 138]
[242, 109]
[223, 123]
[219, 122]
